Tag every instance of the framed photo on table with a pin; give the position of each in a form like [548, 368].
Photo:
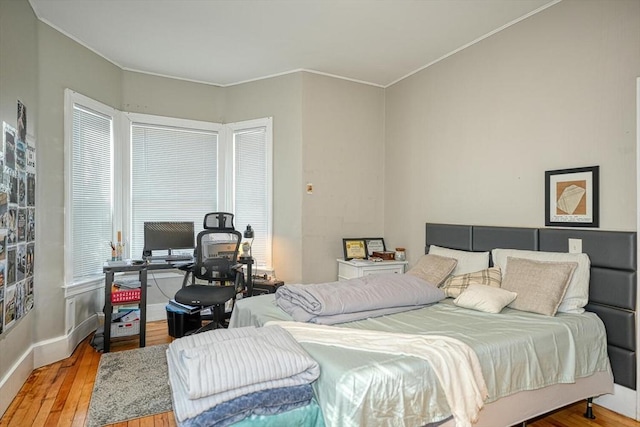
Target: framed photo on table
[354, 249]
[374, 244]
[572, 197]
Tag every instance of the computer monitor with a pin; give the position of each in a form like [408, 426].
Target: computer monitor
[167, 236]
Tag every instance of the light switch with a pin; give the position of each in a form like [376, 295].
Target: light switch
[575, 246]
[309, 188]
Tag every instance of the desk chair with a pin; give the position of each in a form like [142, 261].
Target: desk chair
[215, 262]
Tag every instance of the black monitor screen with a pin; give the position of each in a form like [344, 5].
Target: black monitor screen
[162, 236]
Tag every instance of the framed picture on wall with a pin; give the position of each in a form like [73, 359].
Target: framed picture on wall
[354, 249]
[572, 197]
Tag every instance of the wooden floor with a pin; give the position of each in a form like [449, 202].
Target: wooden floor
[59, 394]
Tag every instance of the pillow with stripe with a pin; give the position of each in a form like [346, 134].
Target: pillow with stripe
[454, 285]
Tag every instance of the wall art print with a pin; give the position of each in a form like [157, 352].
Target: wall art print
[17, 220]
[572, 197]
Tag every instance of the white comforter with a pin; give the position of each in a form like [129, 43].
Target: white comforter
[454, 363]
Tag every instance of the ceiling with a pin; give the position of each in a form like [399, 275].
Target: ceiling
[226, 42]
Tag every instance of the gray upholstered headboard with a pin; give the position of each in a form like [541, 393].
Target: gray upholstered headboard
[612, 289]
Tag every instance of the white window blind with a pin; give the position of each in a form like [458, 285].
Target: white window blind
[173, 177]
[251, 189]
[91, 179]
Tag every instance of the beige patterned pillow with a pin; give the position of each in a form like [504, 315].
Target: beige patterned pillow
[454, 285]
[540, 285]
[433, 269]
[577, 294]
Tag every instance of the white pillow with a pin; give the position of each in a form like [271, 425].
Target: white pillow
[468, 262]
[485, 298]
[577, 294]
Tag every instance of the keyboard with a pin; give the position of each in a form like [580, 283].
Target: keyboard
[170, 258]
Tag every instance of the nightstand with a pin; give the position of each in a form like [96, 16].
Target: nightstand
[358, 268]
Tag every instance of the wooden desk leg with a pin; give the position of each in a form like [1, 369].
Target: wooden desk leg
[143, 306]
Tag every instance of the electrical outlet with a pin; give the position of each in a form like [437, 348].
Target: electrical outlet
[575, 246]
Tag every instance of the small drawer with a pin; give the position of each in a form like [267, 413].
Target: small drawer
[395, 270]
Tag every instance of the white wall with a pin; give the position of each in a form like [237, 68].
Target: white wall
[18, 81]
[468, 139]
[280, 98]
[343, 157]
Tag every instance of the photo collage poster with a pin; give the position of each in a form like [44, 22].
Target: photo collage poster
[17, 220]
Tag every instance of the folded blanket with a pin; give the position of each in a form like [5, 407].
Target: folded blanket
[216, 367]
[213, 367]
[355, 299]
[455, 364]
[263, 402]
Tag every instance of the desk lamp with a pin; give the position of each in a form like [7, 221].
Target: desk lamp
[246, 246]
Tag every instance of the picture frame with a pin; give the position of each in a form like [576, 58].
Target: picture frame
[572, 197]
[354, 249]
[374, 244]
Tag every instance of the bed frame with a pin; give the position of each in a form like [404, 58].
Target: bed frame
[612, 288]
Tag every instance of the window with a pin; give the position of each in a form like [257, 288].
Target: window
[89, 140]
[160, 169]
[174, 173]
[252, 178]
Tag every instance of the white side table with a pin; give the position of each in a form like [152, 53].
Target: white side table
[358, 268]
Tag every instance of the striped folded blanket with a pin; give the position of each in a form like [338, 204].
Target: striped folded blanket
[213, 367]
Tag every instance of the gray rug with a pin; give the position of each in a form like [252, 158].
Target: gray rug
[130, 384]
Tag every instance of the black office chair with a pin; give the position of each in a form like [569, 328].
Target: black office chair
[215, 261]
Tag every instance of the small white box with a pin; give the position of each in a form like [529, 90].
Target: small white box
[125, 329]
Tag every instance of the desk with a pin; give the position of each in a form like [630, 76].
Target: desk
[142, 269]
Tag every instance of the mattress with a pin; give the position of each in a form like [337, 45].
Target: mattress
[518, 351]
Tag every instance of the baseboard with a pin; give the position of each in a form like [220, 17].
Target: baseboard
[56, 349]
[622, 401]
[41, 354]
[12, 382]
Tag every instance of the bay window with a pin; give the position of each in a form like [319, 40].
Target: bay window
[123, 169]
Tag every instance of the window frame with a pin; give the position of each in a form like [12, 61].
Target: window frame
[72, 98]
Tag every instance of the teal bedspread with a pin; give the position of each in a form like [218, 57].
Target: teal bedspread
[517, 351]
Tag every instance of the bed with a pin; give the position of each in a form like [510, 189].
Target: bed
[362, 387]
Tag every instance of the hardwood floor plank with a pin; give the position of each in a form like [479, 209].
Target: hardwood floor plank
[73, 397]
[49, 398]
[60, 393]
[33, 392]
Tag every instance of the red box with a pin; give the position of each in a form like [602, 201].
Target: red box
[128, 295]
